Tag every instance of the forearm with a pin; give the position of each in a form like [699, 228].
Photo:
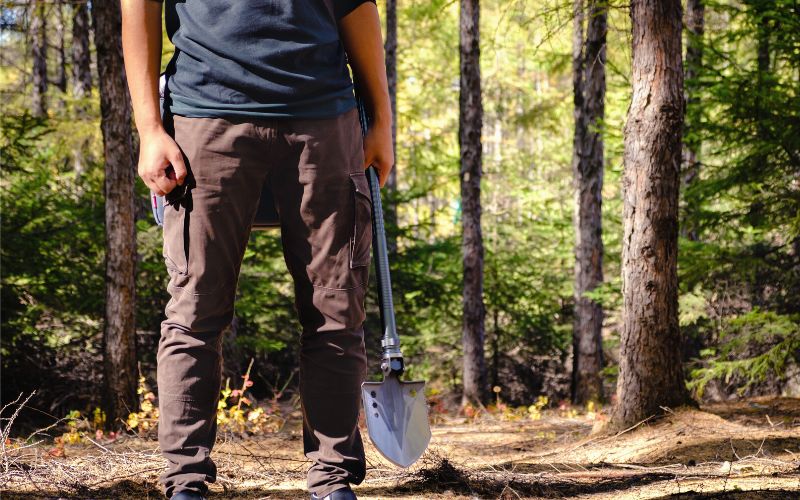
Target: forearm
[141, 45]
[360, 31]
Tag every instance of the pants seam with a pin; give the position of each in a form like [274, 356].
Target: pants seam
[362, 285]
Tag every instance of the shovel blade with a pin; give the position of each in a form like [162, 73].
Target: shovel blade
[397, 419]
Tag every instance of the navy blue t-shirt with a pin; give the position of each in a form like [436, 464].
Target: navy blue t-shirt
[258, 58]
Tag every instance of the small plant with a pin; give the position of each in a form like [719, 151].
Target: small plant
[144, 421]
[237, 413]
[535, 410]
[80, 427]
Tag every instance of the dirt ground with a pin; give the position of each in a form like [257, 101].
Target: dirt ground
[743, 450]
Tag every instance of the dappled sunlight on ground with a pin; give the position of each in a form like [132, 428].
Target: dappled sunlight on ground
[744, 449]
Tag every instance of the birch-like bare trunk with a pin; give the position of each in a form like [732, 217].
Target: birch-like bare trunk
[61, 30]
[81, 62]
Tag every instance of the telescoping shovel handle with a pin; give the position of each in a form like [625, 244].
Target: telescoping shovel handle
[392, 361]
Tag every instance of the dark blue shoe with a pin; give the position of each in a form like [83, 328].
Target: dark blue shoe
[187, 495]
[340, 494]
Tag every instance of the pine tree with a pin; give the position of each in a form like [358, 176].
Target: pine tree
[650, 372]
[589, 85]
[470, 125]
[119, 333]
[38, 30]
[81, 63]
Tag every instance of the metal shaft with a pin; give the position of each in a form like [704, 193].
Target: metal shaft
[392, 356]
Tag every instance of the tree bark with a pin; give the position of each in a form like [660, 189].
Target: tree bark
[61, 74]
[589, 83]
[81, 62]
[119, 329]
[761, 10]
[38, 29]
[695, 27]
[650, 373]
[469, 136]
[390, 49]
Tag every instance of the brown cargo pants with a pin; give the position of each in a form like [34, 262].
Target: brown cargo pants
[316, 170]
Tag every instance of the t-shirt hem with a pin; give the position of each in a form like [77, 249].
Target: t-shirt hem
[192, 112]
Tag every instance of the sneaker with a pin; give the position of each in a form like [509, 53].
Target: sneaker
[187, 495]
[340, 494]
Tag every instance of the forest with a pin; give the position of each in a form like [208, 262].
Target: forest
[593, 228]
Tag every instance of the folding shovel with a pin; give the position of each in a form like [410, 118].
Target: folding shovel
[395, 410]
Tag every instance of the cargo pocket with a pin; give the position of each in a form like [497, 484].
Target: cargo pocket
[362, 224]
[176, 250]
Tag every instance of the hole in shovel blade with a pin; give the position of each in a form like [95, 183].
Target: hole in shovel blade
[412, 393]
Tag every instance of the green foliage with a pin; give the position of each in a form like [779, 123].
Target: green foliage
[749, 122]
[740, 279]
[752, 347]
[51, 260]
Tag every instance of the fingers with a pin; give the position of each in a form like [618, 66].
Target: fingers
[164, 184]
[161, 164]
[159, 183]
[176, 159]
[381, 164]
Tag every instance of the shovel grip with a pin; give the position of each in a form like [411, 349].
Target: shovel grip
[392, 356]
[391, 341]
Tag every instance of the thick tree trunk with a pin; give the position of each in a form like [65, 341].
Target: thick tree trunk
[38, 29]
[390, 49]
[81, 63]
[695, 26]
[469, 136]
[119, 331]
[650, 373]
[61, 70]
[589, 85]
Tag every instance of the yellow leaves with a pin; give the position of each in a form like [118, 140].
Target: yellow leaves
[133, 420]
[255, 415]
[535, 410]
[98, 418]
[71, 437]
[146, 419]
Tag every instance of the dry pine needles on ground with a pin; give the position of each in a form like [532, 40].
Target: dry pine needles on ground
[689, 453]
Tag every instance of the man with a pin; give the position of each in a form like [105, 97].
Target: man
[259, 91]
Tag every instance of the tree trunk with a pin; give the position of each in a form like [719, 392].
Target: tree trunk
[762, 12]
[38, 29]
[695, 26]
[469, 136]
[81, 63]
[119, 331]
[61, 74]
[650, 373]
[390, 49]
[589, 84]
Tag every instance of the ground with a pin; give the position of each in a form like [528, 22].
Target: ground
[743, 450]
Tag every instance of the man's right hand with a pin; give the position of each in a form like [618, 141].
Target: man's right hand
[157, 152]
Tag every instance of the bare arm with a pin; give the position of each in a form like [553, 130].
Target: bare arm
[141, 44]
[361, 34]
